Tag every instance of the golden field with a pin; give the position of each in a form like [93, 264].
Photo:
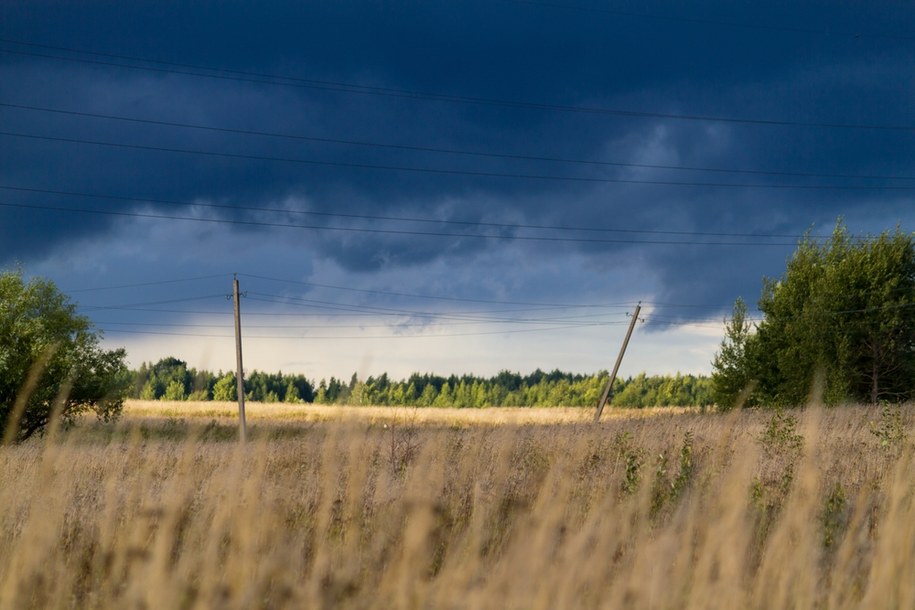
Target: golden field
[327, 507]
[225, 412]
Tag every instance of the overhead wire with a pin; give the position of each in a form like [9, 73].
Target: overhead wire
[149, 303]
[292, 81]
[365, 337]
[437, 320]
[395, 328]
[575, 321]
[288, 326]
[389, 311]
[449, 151]
[144, 284]
[356, 308]
[455, 172]
[412, 219]
[389, 231]
[370, 309]
[433, 297]
[326, 313]
[435, 323]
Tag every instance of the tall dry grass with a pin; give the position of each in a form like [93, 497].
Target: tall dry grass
[748, 510]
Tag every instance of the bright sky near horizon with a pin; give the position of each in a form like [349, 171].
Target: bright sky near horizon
[445, 187]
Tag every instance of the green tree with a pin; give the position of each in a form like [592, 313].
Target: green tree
[842, 313]
[292, 393]
[226, 389]
[148, 392]
[154, 379]
[174, 390]
[50, 355]
[730, 369]
[428, 397]
[140, 381]
[202, 383]
[444, 398]
[872, 289]
[321, 396]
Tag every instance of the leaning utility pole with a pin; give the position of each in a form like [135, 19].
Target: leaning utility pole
[239, 373]
[616, 367]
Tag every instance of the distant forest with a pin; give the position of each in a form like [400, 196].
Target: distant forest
[172, 379]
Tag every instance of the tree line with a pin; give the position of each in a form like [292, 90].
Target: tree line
[508, 389]
[172, 379]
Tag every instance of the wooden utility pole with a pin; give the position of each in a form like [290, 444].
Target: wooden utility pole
[239, 373]
[616, 367]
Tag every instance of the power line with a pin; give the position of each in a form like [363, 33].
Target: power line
[684, 305]
[276, 314]
[201, 312]
[388, 311]
[451, 172]
[390, 231]
[451, 151]
[357, 309]
[457, 319]
[291, 81]
[374, 217]
[572, 320]
[148, 303]
[426, 296]
[337, 311]
[288, 326]
[364, 309]
[548, 324]
[363, 337]
[145, 284]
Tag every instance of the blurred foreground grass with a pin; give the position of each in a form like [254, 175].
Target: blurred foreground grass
[337, 508]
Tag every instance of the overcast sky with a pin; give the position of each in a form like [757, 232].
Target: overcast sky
[447, 187]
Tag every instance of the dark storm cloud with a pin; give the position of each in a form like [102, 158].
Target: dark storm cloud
[691, 61]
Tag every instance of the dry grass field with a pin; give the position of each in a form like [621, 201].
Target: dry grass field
[372, 508]
[225, 412]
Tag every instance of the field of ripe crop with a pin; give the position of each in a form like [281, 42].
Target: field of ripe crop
[356, 508]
